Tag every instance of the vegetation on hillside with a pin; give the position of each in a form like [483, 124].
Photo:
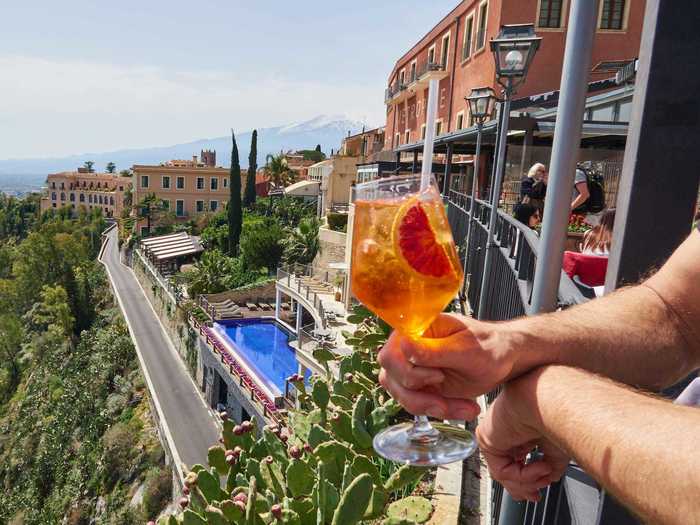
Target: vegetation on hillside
[77, 440]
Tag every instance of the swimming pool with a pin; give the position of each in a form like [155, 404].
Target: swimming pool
[264, 347]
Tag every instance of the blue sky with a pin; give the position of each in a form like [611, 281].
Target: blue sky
[87, 76]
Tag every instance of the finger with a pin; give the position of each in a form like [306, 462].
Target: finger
[445, 325]
[420, 402]
[437, 353]
[409, 376]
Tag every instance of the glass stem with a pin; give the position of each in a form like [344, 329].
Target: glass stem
[423, 432]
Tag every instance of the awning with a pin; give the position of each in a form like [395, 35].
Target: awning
[171, 246]
[303, 188]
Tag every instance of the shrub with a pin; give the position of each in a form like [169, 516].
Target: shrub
[262, 246]
[157, 491]
[337, 222]
[119, 453]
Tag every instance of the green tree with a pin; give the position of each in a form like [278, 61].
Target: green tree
[250, 196]
[11, 338]
[89, 164]
[150, 208]
[125, 173]
[209, 274]
[318, 148]
[235, 210]
[278, 171]
[262, 245]
[52, 313]
[111, 167]
[303, 244]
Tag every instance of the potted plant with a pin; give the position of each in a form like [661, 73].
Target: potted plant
[575, 231]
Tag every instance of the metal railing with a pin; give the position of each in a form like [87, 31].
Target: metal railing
[509, 294]
[510, 285]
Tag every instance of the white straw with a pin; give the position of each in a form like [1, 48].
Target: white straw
[427, 169]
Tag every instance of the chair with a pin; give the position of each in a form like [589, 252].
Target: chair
[586, 271]
[252, 306]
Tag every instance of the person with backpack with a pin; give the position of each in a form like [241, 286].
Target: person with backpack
[589, 194]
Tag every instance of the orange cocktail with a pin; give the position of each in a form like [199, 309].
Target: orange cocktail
[404, 263]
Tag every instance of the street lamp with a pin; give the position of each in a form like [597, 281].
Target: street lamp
[481, 102]
[513, 51]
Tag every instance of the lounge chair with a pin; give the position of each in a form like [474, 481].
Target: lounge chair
[230, 315]
[252, 306]
[228, 310]
[264, 306]
[227, 303]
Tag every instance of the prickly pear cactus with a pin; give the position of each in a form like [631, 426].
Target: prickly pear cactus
[321, 470]
[413, 508]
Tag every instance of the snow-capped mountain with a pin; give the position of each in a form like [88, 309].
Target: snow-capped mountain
[326, 130]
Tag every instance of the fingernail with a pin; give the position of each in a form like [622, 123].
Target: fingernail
[436, 412]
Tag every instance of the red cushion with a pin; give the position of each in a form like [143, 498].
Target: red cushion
[589, 268]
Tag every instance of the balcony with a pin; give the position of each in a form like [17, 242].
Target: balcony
[395, 93]
[430, 70]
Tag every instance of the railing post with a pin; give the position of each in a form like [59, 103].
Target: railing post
[448, 170]
[495, 196]
[479, 127]
[567, 141]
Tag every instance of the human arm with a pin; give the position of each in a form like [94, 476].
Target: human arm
[583, 195]
[654, 326]
[640, 448]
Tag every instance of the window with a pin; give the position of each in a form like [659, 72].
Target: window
[200, 183]
[199, 206]
[180, 183]
[90, 199]
[214, 183]
[402, 77]
[63, 196]
[612, 14]
[72, 197]
[431, 54]
[100, 197]
[111, 201]
[481, 34]
[468, 33]
[422, 132]
[225, 182]
[624, 111]
[550, 13]
[82, 197]
[53, 195]
[53, 185]
[213, 205]
[445, 51]
[180, 208]
[166, 204]
[413, 71]
[166, 182]
[144, 181]
[460, 120]
[408, 136]
[438, 127]
[398, 139]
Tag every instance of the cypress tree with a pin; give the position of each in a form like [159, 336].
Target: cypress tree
[235, 211]
[249, 198]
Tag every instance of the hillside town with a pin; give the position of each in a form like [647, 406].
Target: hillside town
[270, 366]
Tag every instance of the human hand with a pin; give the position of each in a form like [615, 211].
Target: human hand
[509, 432]
[456, 360]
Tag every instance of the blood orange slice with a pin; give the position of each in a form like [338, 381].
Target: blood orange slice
[418, 244]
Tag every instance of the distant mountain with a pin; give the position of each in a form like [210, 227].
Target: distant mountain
[328, 131]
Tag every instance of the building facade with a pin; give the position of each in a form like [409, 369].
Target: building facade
[187, 187]
[456, 51]
[104, 191]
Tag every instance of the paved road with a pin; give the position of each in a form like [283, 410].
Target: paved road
[190, 424]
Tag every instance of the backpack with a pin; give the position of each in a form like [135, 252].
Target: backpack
[596, 190]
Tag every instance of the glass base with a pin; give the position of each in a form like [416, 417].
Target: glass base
[442, 444]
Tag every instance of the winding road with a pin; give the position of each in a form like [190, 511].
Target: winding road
[189, 426]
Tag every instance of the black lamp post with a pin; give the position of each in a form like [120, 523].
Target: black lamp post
[481, 102]
[513, 51]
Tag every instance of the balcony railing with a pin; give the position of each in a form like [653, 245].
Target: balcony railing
[577, 498]
[393, 90]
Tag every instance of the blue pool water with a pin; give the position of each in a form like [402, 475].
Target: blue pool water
[265, 346]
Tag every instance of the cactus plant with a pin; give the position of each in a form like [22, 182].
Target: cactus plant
[354, 501]
[320, 470]
[414, 508]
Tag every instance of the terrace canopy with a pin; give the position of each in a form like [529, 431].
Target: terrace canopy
[171, 249]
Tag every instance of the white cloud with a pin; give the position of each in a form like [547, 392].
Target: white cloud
[50, 108]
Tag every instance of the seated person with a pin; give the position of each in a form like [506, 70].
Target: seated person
[597, 241]
[527, 214]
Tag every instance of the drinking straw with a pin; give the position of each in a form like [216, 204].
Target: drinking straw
[427, 168]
